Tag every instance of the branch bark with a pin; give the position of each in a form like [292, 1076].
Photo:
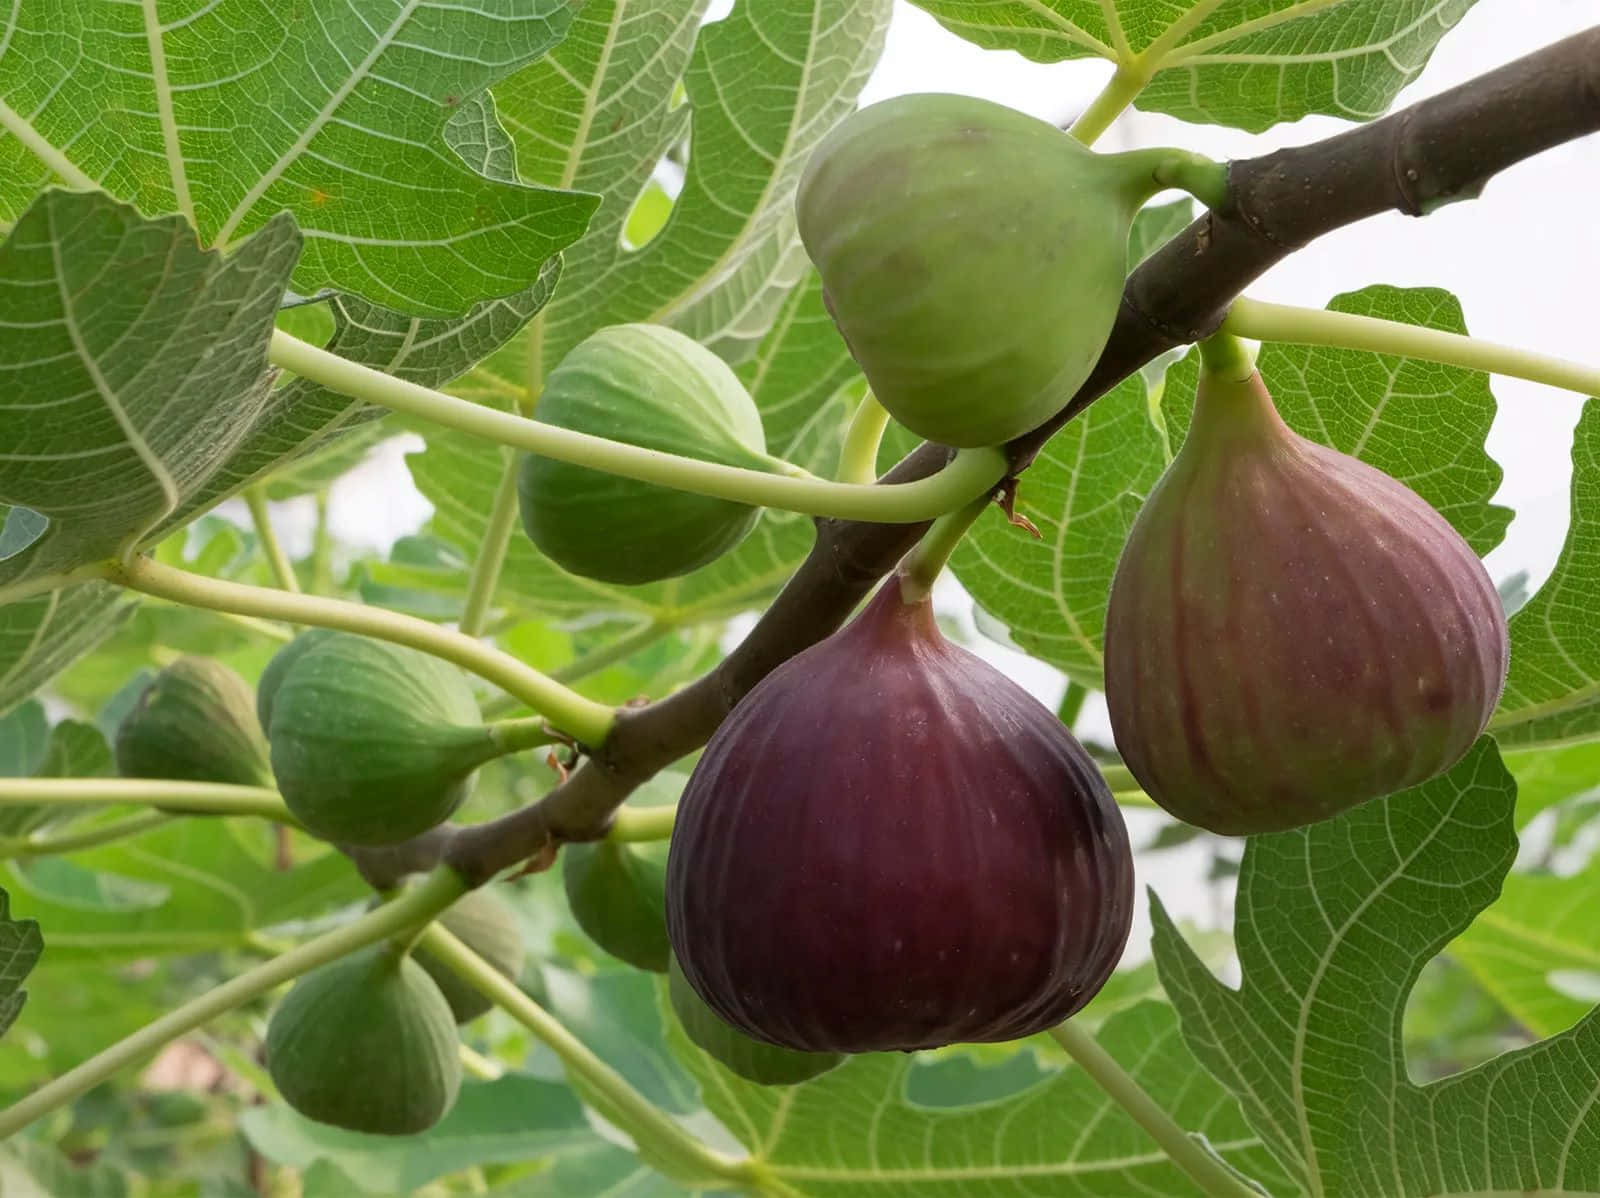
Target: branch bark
[1442, 149]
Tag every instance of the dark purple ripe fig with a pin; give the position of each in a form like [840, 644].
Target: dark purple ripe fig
[1291, 632]
[891, 845]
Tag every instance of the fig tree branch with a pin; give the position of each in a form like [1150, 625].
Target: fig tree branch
[1441, 149]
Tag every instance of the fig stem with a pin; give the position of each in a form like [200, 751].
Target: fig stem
[971, 473]
[1344, 330]
[1224, 356]
[196, 798]
[858, 456]
[1205, 1170]
[514, 736]
[1126, 82]
[587, 721]
[282, 568]
[654, 1132]
[492, 547]
[632, 824]
[418, 905]
[46, 844]
[920, 568]
[624, 647]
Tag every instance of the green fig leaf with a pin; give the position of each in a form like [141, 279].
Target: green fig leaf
[217, 893]
[1552, 693]
[30, 748]
[359, 105]
[1335, 923]
[1250, 66]
[513, 1120]
[21, 943]
[854, 1129]
[1535, 950]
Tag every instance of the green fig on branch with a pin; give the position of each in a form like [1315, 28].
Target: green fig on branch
[374, 743]
[195, 722]
[974, 257]
[653, 387]
[366, 1043]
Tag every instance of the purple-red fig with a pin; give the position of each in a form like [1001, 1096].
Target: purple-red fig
[1292, 632]
[890, 845]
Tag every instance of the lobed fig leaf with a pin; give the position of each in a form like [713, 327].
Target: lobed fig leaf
[484, 923]
[890, 845]
[373, 743]
[195, 722]
[973, 257]
[617, 893]
[654, 387]
[764, 1064]
[366, 1043]
[1290, 631]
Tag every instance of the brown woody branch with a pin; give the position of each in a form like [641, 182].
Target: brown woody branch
[1441, 149]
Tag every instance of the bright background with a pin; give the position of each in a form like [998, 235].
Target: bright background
[1524, 260]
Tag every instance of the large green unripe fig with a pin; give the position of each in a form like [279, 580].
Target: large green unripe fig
[617, 893]
[366, 1043]
[1291, 632]
[890, 845]
[653, 387]
[195, 722]
[372, 742]
[764, 1064]
[974, 257]
[484, 923]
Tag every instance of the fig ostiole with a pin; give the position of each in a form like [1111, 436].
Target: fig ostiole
[753, 1060]
[373, 743]
[483, 922]
[653, 387]
[617, 893]
[888, 844]
[1290, 631]
[974, 257]
[366, 1043]
[195, 722]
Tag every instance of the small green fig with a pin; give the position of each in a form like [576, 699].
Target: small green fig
[653, 387]
[1290, 631]
[764, 1064]
[195, 722]
[974, 257]
[272, 676]
[617, 893]
[484, 923]
[372, 742]
[366, 1043]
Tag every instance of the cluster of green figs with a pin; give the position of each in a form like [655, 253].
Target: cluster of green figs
[889, 845]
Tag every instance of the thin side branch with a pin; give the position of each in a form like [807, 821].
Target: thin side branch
[1442, 149]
